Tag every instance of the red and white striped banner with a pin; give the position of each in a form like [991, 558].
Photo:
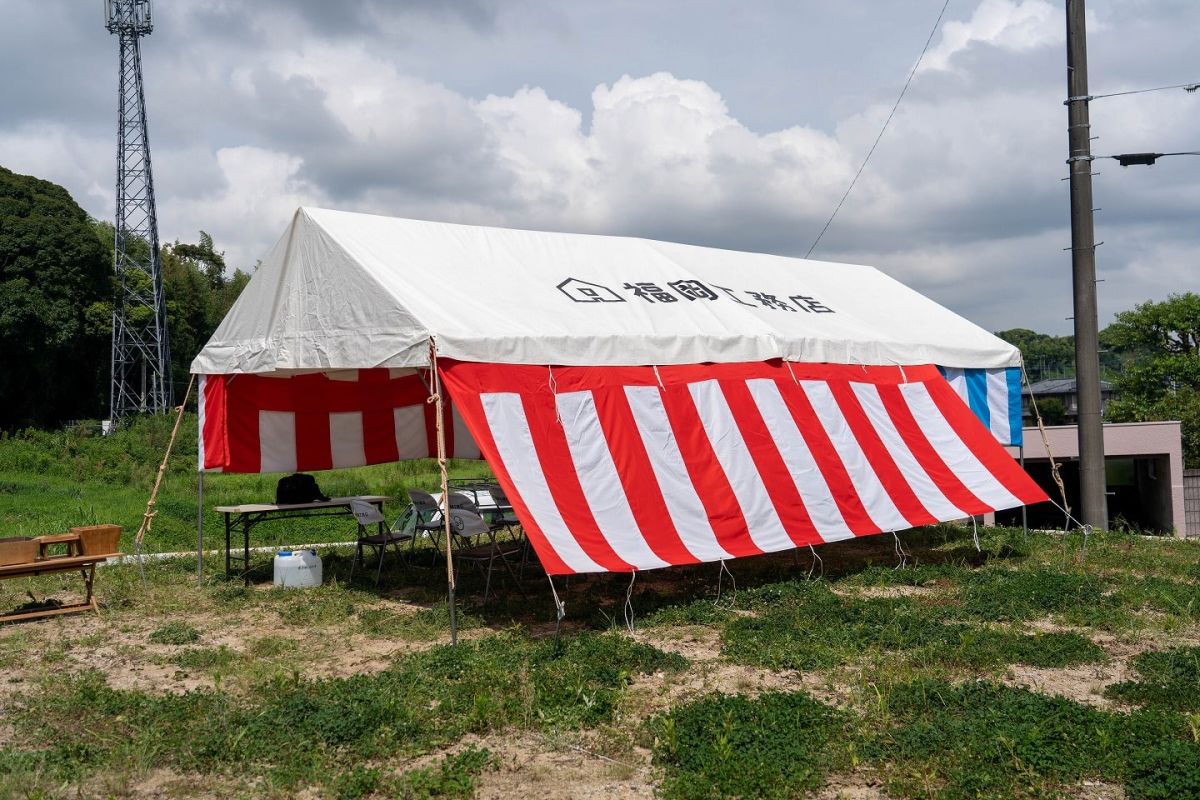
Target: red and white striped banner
[633, 468]
[328, 420]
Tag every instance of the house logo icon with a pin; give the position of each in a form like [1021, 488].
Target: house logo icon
[585, 292]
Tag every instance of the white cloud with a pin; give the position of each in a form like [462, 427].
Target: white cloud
[258, 193]
[962, 198]
[1005, 24]
[55, 152]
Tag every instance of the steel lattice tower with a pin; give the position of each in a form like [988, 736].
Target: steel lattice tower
[141, 355]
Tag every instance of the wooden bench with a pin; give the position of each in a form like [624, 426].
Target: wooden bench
[86, 566]
[47, 564]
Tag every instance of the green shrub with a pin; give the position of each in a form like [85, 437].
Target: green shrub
[775, 745]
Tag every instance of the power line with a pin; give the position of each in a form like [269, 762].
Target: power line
[1187, 87]
[881, 130]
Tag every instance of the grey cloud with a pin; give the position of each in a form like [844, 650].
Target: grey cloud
[962, 198]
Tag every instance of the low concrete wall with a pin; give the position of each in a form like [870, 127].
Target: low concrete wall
[1158, 440]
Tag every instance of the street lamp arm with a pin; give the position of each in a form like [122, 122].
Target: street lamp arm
[1146, 159]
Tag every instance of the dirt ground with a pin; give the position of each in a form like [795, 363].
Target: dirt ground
[594, 764]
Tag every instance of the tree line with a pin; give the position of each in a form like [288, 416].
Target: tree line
[57, 290]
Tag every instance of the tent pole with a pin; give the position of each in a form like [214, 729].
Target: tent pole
[436, 399]
[1024, 509]
[199, 527]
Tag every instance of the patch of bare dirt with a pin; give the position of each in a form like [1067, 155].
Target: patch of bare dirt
[530, 766]
[886, 591]
[1096, 790]
[709, 673]
[1086, 683]
[117, 644]
[166, 784]
[864, 784]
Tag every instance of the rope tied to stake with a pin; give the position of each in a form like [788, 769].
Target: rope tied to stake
[901, 553]
[629, 602]
[720, 574]
[817, 560]
[560, 610]
[1054, 466]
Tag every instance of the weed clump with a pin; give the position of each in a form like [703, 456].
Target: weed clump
[177, 633]
[452, 777]
[776, 745]
[1000, 594]
[913, 575]
[984, 740]
[1166, 771]
[807, 626]
[699, 612]
[423, 625]
[1168, 679]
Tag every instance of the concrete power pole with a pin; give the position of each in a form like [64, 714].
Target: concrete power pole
[1094, 509]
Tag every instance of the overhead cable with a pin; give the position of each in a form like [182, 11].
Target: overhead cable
[886, 122]
[1187, 87]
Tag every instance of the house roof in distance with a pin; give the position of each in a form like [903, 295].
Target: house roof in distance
[1059, 386]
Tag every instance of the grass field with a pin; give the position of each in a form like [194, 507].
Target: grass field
[50, 482]
[1031, 669]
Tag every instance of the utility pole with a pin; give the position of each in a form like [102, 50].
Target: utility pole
[1094, 504]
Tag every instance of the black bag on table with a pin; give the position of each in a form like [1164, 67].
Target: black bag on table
[298, 488]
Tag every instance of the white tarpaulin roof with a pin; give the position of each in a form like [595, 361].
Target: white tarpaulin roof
[346, 291]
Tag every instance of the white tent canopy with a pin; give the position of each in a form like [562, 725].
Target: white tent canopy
[345, 291]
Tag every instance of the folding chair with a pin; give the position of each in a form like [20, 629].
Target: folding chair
[369, 514]
[429, 517]
[468, 524]
[503, 513]
[504, 518]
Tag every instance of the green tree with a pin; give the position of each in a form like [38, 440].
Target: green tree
[53, 271]
[1162, 377]
[1044, 356]
[1052, 411]
[198, 296]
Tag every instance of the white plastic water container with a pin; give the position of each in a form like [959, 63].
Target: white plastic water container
[296, 569]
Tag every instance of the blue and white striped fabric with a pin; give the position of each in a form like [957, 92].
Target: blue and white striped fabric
[995, 397]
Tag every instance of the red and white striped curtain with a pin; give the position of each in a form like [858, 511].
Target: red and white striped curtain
[328, 420]
[633, 468]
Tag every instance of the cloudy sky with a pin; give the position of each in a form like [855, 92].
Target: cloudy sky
[729, 124]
